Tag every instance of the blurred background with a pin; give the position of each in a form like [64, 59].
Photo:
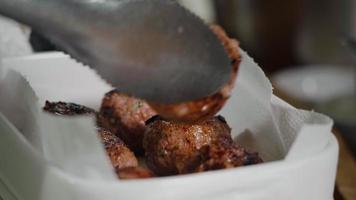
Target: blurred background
[306, 47]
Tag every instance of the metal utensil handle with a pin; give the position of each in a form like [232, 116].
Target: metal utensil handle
[57, 16]
[36, 13]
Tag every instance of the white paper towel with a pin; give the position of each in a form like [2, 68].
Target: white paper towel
[298, 147]
[14, 38]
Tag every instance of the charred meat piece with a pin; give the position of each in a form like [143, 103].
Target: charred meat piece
[125, 116]
[179, 148]
[120, 155]
[134, 173]
[172, 147]
[206, 107]
[63, 108]
[222, 155]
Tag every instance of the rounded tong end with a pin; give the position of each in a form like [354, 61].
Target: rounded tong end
[167, 54]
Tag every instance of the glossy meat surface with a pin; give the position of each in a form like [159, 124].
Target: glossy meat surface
[178, 148]
[125, 116]
[171, 147]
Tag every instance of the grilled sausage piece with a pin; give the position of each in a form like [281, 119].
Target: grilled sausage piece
[179, 148]
[206, 107]
[120, 155]
[125, 116]
[172, 147]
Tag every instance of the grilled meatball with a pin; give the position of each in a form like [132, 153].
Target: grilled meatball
[206, 107]
[172, 147]
[125, 116]
[63, 108]
[134, 173]
[121, 157]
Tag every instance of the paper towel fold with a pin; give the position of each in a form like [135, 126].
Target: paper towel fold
[70, 143]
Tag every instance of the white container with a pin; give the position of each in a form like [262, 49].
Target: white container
[298, 147]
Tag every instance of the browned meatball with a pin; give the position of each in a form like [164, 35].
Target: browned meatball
[121, 157]
[125, 116]
[63, 108]
[134, 173]
[206, 107]
[172, 147]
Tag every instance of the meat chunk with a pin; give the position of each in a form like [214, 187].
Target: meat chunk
[179, 148]
[222, 155]
[134, 173]
[125, 116]
[206, 107]
[63, 108]
[172, 147]
[120, 155]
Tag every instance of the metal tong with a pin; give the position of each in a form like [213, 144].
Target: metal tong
[152, 49]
